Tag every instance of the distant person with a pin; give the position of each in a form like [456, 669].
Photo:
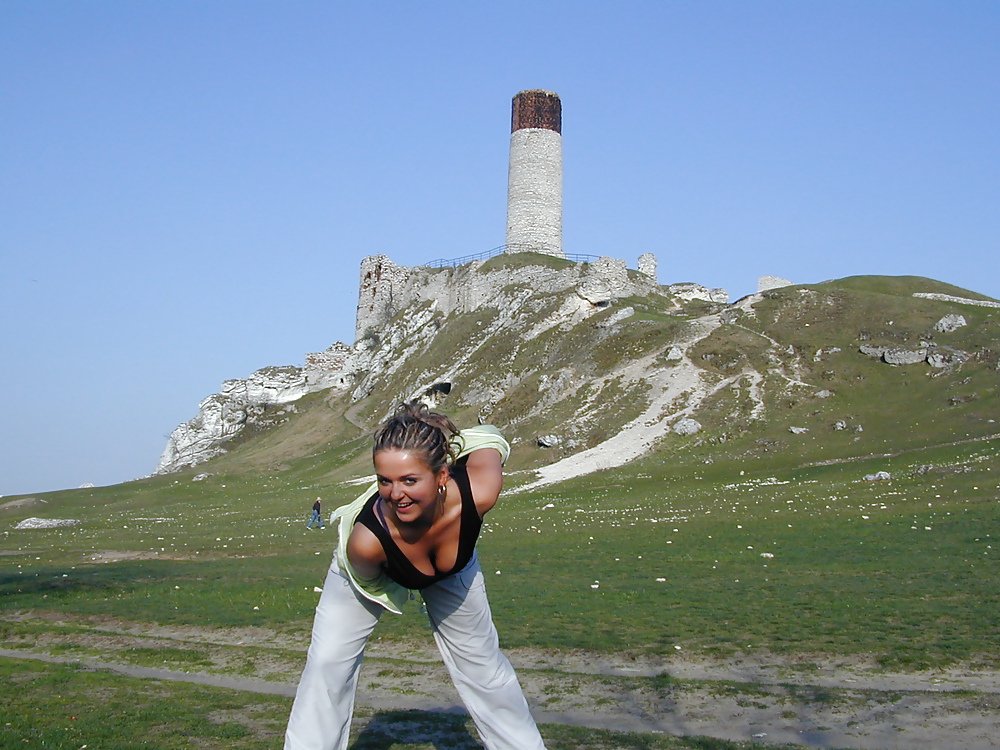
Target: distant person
[416, 527]
[317, 515]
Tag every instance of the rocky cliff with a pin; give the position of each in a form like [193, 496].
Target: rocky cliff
[592, 365]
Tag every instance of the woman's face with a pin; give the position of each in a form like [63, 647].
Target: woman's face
[407, 483]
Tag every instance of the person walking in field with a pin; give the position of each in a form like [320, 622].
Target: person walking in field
[317, 515]
[416, 527]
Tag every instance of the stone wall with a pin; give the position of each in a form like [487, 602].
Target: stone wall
[468, 287]
[534, 192]
[380, 286]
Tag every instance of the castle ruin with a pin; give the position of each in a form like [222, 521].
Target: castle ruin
[534, 177]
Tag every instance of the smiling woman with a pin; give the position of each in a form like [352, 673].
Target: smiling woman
[415, 528]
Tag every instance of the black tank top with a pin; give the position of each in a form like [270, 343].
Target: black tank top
[398, 566]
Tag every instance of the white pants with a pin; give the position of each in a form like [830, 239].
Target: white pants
[464, 632]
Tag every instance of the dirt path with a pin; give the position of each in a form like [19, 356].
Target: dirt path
[832, 704]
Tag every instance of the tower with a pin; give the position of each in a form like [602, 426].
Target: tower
[534, 178]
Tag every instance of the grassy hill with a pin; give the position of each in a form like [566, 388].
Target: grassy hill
[745, 538]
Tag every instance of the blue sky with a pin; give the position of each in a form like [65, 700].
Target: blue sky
[187, 188]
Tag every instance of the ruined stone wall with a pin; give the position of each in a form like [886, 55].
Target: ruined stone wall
[381, 284]
[468, 288]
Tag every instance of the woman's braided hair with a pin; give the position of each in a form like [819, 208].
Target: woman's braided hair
[414, 427]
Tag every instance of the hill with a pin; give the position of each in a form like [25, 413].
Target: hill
[796, 491]
[585, 371]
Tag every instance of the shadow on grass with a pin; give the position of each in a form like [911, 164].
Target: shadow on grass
[227, 592]
[439, 729]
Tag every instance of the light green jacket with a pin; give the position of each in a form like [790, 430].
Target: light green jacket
[383, 590]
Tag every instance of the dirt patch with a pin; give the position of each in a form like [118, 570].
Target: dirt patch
[113, 556]
[808, 701]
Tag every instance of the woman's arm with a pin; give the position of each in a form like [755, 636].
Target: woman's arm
[486, 477]
[365, 553]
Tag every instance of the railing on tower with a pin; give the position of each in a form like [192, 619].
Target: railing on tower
[487, 254]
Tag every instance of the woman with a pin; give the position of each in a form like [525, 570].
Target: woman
[415, 528]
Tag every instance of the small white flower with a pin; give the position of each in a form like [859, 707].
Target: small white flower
[661, 580]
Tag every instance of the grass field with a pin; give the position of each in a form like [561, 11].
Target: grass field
[756, 538]
[804, 564]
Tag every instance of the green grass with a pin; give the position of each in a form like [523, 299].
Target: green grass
[899, 573]
[901, 570]
[65, 707]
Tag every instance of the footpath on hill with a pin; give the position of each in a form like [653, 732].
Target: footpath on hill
[824, 704]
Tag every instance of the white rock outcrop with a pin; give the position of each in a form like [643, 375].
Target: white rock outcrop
[687, 426]
[648, 265]
[950, 323]
[765, 283]
[46, 523]
[960, 300]
[690, 292]
[244, 401]
[901, 355]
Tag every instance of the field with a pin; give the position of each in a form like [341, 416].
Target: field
[815, 566]
[759, 605]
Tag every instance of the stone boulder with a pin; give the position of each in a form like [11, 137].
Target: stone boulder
[222, 415]
[687, 426]
[878, 476]
[950, 323]
[766, 283]
[901, 355]
[946, 357]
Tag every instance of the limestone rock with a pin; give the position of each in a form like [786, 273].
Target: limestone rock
[901, 355]
[950, 323]
[798, 430]
[690, 292]
[240, 402]
[604, 281]
[46, 523]
[765, 283]
[878, 476]
[873, 351]
[549, 441]
[945, 357]
[687, 426]
[647, 265]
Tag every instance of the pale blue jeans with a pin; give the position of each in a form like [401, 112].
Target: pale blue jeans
[463, 629]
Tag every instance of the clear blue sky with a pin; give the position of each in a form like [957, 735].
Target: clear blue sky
[187, 188]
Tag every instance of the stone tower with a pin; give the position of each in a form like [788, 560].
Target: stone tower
[534, 180]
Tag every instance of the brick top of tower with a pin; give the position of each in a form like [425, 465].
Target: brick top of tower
[536, 109]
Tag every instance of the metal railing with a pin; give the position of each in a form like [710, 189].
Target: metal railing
[501, 250]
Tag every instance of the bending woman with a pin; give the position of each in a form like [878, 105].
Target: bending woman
[415, 528]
